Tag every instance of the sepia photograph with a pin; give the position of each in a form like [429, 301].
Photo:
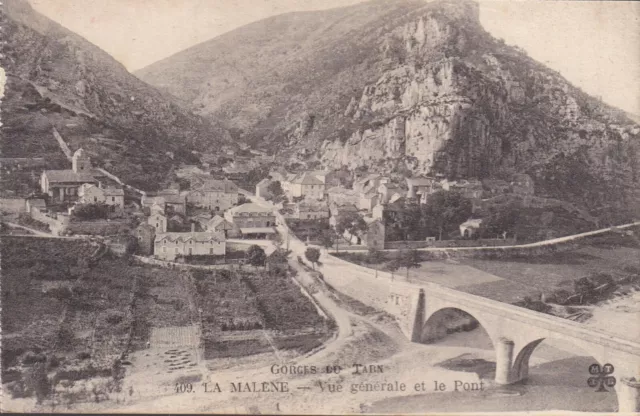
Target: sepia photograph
[320, 206]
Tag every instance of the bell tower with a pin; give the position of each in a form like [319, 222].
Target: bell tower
[81, 162]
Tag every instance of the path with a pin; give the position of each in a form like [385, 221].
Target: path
[39, 234]
[542, 243]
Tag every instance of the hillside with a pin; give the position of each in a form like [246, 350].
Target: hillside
[410, 87]
[58, 79]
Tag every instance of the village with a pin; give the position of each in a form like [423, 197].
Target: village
[195, 217]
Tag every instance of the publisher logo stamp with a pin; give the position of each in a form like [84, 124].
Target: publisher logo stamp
[601, 378]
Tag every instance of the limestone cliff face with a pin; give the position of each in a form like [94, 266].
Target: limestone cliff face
[485, 110]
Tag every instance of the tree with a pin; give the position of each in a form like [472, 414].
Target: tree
[501, 219]
[327, 238]
[313, 255]
[256, 256]
[393, 266]
[409, 259]
[275, 189]
[351, 222]
[37, 380]
[445, 210]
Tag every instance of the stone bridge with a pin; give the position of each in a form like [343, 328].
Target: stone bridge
[515, 333]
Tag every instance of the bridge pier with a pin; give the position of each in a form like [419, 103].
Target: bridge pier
[628, 395]
[504, 361]
[418, 320]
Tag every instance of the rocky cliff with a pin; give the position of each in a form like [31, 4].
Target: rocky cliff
[57, 79]
[414, 88]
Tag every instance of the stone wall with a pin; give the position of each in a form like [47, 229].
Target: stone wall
[449, 243]
[98, 227]
[14, 205]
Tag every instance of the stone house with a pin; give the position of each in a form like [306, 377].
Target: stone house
[145, 235]
[386, 191]
[470, 227]
[306, 185]
[170, 200]
[168, 246]
[221, 225]
[159, 221]
[92, 194]
[216, 195]
[35, 205]
[63, 185]
[304, 210]
[176, 203]
[369, 183]
[368, 200]
[262, 190]
[417, 187]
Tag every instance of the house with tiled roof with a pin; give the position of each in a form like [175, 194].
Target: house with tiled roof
[169, 199]
[420, 186]
[92, 194]
[308, 210]
[220, 224]
[214, 194]
[169, 246]
[262, 188]
[159, 221]
[306, 185]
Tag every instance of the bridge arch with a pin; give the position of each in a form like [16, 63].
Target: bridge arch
[520, 368]
[437, 324]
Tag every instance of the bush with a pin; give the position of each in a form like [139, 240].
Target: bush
[83, 355]
[32, 358]
[91, 211]
[114, 317]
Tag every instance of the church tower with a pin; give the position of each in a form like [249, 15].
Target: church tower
[81, 162]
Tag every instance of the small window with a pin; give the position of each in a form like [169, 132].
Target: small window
[113, 199]
[190, 251]
[164, 249]
[176, 250]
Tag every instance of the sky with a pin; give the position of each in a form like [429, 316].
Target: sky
[595, 45]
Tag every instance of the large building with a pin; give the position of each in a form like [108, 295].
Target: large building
[168, 246]
[213, 194]
[306, 185]
[63, 185]
[252, 220]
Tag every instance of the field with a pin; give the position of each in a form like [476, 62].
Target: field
[76, 313]
[251, 312]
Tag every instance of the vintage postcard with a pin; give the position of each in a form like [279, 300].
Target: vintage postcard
[320, 206]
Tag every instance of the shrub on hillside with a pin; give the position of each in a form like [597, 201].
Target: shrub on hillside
[85, 212]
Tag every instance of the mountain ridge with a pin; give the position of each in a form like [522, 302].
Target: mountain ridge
[56, 78]
[410, 88]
